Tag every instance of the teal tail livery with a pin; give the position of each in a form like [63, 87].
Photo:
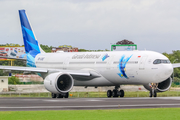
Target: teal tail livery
[32, 47]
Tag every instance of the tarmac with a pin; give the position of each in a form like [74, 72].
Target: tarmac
[35, 104]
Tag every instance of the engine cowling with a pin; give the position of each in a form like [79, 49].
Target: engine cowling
[162, 86]
[59, 82]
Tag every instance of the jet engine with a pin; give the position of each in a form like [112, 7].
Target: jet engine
[59, 82]
[162, 86]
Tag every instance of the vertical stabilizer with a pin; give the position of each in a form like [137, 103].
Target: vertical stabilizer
[31, 45]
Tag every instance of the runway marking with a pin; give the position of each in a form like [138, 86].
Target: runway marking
[172, 98]
[94, 100]
[28, 99]
[76, 100]
[97, 106]
[62, 100]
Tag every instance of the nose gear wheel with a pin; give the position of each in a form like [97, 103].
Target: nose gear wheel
[153, 92]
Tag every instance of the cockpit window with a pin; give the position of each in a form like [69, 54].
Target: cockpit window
[159, 61]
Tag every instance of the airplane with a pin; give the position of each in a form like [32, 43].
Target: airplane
[63, 70]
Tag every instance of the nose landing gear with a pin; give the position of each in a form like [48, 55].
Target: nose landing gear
[115, 92]
[153, 93]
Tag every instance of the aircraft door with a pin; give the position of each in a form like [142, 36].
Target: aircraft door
[66, 63]
[142, 62]
[110, 62]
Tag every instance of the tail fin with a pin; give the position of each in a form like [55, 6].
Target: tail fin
[32, 47]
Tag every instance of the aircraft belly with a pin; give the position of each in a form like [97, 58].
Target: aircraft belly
[101, 81]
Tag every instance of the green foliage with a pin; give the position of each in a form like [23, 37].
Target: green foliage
[8, 63]
[4, 62]
[176, 82]
[16, 63]
[84, 50]
[11, 44]
[2, 73]
[2, 44]
[176, 79]
[174, 57]
[46, 48]
[19, 63]
[177, 72]
[13, 80]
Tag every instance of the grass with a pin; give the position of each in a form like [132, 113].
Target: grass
[119, 114]
[25, 95]
[93, 94]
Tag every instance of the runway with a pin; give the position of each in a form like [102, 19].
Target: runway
[29, 104]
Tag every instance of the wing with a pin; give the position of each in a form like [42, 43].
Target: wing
[29, 69]
[89, 74]
[176, 65]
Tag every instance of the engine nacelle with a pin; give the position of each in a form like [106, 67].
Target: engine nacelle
[162, 86]
[59, 82]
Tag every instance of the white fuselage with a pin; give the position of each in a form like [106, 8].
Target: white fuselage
[114, 68]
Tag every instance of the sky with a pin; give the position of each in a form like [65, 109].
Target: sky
[95, 24]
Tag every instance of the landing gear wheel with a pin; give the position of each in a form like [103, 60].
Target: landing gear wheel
[109, 93]
[121, 93]
[53, 95]
[155, 94]
[59, 96]
[114, 93]
[66, 95]
[150, 94]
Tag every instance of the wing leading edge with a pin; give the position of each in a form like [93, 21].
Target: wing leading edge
[45, 70]
[176, 65]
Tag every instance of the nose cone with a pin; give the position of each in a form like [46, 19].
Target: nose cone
[163, 73]
[167, 71]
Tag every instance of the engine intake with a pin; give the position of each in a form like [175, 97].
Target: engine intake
[64, 82]
[59, 82]
[162, 86]
[165, 85]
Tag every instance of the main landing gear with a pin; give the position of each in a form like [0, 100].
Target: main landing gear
[65, 95]
[115, 92]
[153, 93]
